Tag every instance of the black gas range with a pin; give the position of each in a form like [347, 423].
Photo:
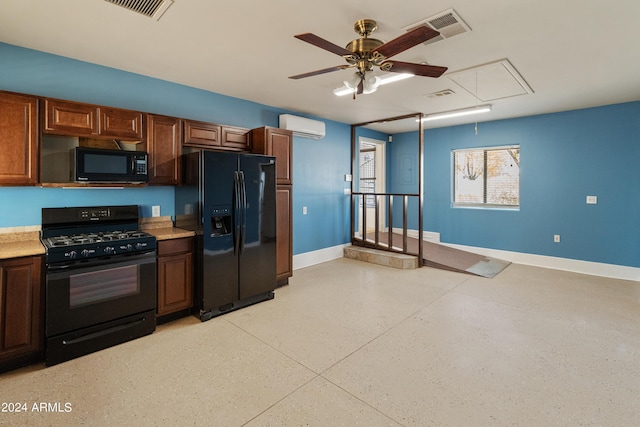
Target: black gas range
[72, 235]
[100, 279]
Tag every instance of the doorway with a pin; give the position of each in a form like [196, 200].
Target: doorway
[371, 179]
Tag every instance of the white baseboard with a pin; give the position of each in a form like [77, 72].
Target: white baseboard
[613, 271]
[577, 266]
[308, 259]
[429, 236]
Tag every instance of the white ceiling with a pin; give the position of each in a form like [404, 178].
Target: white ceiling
[572, 53]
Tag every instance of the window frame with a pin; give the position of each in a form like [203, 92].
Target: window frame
[469, 205]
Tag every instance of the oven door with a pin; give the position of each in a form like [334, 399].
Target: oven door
[80, 297]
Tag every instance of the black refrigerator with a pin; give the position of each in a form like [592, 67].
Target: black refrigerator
[229, 200]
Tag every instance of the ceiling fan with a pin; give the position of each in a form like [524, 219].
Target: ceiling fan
[365, 53]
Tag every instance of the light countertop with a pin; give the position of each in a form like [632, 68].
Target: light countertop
[16, 244]
[162, 227]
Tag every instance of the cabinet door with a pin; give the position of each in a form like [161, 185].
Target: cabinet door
[70, 118]
[20, 314]
[175, 275]
[123, 124]
[284, 247]
[201, 134]
[235, 138]
[280, 146]
[19, 130]
[164, 144]
[279, 143]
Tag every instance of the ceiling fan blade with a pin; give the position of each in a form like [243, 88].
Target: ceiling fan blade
[323, 44]
[417, 69]
[406, 41]
[317, 72]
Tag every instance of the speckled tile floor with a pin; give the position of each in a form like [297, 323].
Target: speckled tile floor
[349, 343]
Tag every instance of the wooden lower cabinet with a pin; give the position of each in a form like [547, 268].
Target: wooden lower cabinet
[284, 246]
[175, 275]
[21, 316]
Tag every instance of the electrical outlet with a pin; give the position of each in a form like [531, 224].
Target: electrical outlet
[592, 200]
[556, 238]
[304, 210]
[155, 210]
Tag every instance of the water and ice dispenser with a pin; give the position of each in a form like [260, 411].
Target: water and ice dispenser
[221, 224]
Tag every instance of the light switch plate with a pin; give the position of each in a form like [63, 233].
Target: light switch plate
[592, 200]
[155, 210]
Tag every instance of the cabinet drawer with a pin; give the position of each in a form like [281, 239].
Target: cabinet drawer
[175, 246]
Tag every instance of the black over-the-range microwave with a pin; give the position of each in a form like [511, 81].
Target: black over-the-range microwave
[99, 165]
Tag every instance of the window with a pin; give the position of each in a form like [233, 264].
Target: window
[488, 177]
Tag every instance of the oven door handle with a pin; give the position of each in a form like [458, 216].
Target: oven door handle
[101, 263]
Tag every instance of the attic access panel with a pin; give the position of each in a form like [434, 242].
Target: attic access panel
[493, 81]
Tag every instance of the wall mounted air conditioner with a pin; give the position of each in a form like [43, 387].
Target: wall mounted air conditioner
[301, 126]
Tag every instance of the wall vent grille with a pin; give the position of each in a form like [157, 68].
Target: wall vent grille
[150, 8]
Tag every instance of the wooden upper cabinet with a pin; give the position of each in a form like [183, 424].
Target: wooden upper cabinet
[279, 143]
[70, 118]
[216, 137]
[119, 123]
[18, 139]
[236, 138]
[78, 119]
[202, 134]
[164, 145]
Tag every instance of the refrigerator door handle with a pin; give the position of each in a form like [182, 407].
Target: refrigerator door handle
[243, 195]
[236, 212]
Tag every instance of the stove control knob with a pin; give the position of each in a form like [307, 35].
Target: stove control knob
[141, 245]
[109, 250]
[85, 252]
[72, 254]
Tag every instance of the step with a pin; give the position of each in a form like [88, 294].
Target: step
[380, 257]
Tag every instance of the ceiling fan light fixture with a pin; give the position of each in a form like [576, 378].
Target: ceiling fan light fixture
[343, 90]
[371, 83]
[457, 113]
[353, 82]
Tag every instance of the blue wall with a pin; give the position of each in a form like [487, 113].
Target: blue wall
[319, 166]
[564, 158]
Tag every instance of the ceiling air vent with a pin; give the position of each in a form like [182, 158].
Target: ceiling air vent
[150, 8]
[448, 23]
[440, 93]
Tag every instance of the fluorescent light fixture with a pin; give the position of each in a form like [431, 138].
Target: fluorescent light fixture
[396, 77]
[389, 78]
[457, 113]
